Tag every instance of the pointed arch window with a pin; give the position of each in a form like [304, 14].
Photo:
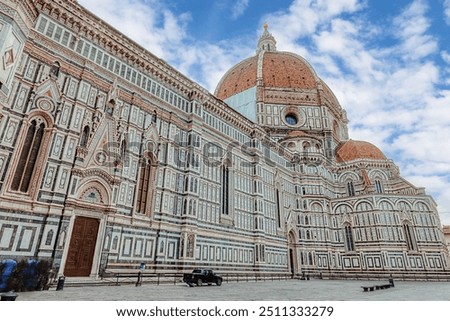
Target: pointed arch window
[123, 149]
[190, 245]
[28, 156]
[350, 189]
[110, 107]
[306, 146]
[278, 208]
[349, 241]
[54, 70]
[225, 189]
[49, 238]
[409, 237]
[378, 187]
[84, 137]
[144, 195]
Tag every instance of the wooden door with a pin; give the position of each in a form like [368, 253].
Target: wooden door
[82, 247]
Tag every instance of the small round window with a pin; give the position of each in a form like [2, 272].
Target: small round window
[291, 119]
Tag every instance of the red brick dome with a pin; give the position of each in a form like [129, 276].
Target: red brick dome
[354, 149]
[275, 77]
[279, 70]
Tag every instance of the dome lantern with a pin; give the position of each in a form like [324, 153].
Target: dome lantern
[267, 41]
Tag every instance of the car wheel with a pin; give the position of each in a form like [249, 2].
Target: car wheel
[199, 282]
[219, 282]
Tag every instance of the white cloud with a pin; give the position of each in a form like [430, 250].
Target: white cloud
[239, 8]
[303, 18]
[446, 56]
[411, 27]
[447, 11]
[148, 23]
[209, 62]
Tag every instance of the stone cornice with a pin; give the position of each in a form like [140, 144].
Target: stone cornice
[87, 25]
[92, 172]
[366, 163]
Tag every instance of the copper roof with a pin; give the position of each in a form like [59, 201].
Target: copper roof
[354, 149]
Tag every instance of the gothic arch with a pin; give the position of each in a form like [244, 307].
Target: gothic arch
[151, 134]
[359, 206]
[39, 114]
[306, 145]
[349, 240]
[30, 154]
[342, 208]
[403, 205]
[94, 191]
[377, 174]
[409, 235]
[348, 176]
[421, 206]
[226, 182]
[316, 207]
[85, 136]
[386, 205]
[292, 252]
[145, 186]
[54, 69]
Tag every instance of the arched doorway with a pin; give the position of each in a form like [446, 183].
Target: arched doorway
[82, 247]
[292, 253]
[87, 232]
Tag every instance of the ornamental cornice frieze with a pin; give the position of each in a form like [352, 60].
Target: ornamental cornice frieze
[96, 172]
[368, 164]
[304, 97]
[80, 68]
[117, 44]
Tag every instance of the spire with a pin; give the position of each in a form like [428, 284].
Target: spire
[266, 42]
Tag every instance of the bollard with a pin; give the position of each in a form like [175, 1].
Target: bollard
[139, 279]
[60, 284]
[391, 282]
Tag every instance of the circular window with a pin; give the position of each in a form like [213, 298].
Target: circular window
[291, 119]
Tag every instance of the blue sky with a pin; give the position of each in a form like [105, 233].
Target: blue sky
[388, 62]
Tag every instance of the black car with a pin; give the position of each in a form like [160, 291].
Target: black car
[202, 276]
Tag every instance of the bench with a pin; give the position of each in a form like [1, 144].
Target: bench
[368, 288]
[376, 287]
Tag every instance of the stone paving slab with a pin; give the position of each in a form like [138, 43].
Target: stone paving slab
[284, 290]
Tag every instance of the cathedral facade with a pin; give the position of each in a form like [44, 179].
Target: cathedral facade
[110, 158]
